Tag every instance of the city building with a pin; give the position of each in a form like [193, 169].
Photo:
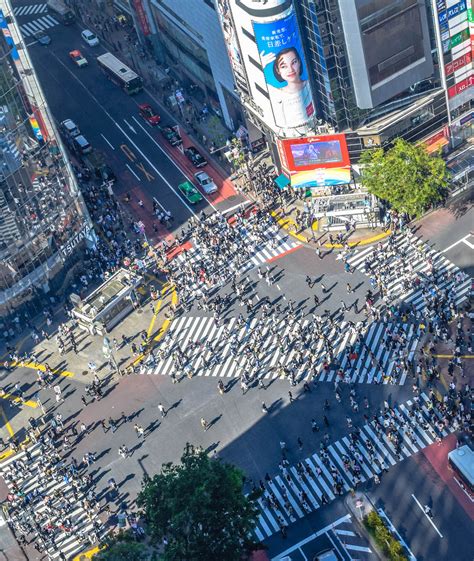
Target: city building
[43, 220]
[186, 39]
[454, 28]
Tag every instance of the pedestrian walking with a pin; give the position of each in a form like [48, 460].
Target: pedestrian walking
[290, 395]
[264, 407]
[123, 451]
[204, 424]
[162, 410]
[300, 443]
[140, 431]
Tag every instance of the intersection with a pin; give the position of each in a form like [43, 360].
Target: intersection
[317, 348]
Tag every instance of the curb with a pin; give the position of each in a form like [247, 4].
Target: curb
[286, 223]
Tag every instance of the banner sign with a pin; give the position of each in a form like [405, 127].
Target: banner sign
[285, 71]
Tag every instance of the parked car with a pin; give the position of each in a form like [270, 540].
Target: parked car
[81, 145]
[171, 135]
[190, 192]
[70, 129]
[42, 38]
[78, 59]
[149, 114]
[90, 38]
[205, 182]
[195, 157]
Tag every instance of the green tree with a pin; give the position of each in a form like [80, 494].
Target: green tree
[119, 550]
[405, 176]
[200, 508]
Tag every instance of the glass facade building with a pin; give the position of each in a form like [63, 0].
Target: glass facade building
[375, 70]
[43, 219]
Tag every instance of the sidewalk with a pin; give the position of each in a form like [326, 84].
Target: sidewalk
[204, 133]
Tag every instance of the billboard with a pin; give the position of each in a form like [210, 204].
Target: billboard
[285, 71]
[230, 37]
[316, 161]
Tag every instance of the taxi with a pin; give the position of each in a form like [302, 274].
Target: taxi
[78, 59]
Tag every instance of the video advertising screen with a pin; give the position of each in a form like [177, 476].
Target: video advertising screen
[316, 153]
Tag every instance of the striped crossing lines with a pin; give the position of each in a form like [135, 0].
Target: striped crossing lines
[46, 486]
[262, 252]
[41, 24]
[415, 261]
[30, 9]
[305, 487]
[227, 359]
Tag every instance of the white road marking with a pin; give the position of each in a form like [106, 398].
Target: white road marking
[427, 517]
[353, 547]
[129, 139]
[312, 537]
[131, 171]
[109, 143]
[462, 240]
[159, 204]
[130, 126]
[172, 161]
[235, 207]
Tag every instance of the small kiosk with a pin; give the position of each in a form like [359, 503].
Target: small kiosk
[108, 304]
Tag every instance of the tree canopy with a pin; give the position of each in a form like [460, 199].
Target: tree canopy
[199, 507]
[405, 176]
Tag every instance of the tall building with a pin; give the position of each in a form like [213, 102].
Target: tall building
[454, 30]
[43, 220]
[368, 69]
[186, 37]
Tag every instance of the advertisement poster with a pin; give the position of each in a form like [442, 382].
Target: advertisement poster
[316, 161]
[230, 37]
[285, 71]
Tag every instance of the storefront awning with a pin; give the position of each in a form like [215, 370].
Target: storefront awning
[282, 181]
[437, 145]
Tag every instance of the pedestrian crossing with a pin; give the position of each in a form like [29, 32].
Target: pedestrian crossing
[34, 489]
[219, 350]
[412, 261]
[40, 24]
[253, 253]
[317, 480]
[30, 9]
[348, 535]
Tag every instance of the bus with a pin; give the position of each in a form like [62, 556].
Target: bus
[61, 11]
[461, 461]
[120, 74]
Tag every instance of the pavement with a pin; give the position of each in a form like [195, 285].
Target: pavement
[240, 432]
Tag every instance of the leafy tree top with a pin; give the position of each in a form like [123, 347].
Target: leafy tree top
[405, 176]
[199, 507]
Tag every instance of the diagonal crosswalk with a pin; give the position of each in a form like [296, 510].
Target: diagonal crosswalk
[320, 478]
[30, 9]
[218, 350]
[411, 261]
[40, 24]
[49, 493]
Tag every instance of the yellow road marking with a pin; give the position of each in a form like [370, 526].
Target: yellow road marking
[153, 319]
[37, 366]
[166, 323]
[17, 400]
[452, 356]
[285, 223]
[7, 422]
[87, 554]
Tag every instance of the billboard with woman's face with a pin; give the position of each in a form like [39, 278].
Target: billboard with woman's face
[285, 71]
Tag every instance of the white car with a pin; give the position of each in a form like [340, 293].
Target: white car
[89, 37]
[205, 182]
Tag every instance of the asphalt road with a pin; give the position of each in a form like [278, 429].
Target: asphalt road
[240, 431]
[110, 121]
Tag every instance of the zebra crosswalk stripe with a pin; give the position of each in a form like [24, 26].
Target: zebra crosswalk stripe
[220, 362]
[292, 483]
[65, 542]
[409, 243]
[40, 24]
[30, 9]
